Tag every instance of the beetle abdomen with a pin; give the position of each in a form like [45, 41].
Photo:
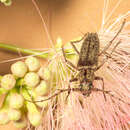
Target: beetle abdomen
[89, 50]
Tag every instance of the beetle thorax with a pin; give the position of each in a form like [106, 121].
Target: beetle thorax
[86, 75]
[89, 75]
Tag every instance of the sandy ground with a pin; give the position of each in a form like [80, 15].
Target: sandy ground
[21, 25]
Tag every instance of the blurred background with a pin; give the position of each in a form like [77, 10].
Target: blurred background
[21, 25]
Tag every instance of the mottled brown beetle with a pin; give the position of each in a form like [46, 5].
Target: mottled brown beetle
[88, 61]
[88, 64]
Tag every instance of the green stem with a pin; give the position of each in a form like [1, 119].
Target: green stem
[24, 51]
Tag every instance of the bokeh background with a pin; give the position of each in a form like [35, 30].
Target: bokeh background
[21, 25]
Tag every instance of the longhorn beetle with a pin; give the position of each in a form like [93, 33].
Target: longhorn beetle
[88, 64]
[88, 61]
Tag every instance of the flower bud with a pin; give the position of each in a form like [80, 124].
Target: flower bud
[44, 73]
[41, 103]
[16, 101]
[35, 118]
[19, 69]
[32, 63]
[31, 79]
[14, 114]
[8, 81]
[34, 115]
[42, 88]
[4, 119]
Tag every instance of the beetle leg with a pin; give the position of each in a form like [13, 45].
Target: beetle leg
[100, 78]
[109, 55]
[68, 62]
[77, 41]
[69, 89]
[109, 44]
[72, 43]
[73, 79]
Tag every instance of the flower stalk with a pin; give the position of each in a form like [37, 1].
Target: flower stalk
[16, 49]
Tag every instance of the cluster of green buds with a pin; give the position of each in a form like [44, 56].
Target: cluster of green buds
[6, 2]
[27, 83]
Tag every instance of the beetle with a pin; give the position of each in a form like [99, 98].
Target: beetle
[88, 62]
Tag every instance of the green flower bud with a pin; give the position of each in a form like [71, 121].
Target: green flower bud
[39, 102]
[32, 63]
[44, 73]
[14, 114]
[8, 81]
[19, 69]
[35, 118]
[34, 115]
[4, 119]
[31, 79]
[42, 88]
[16, 101]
